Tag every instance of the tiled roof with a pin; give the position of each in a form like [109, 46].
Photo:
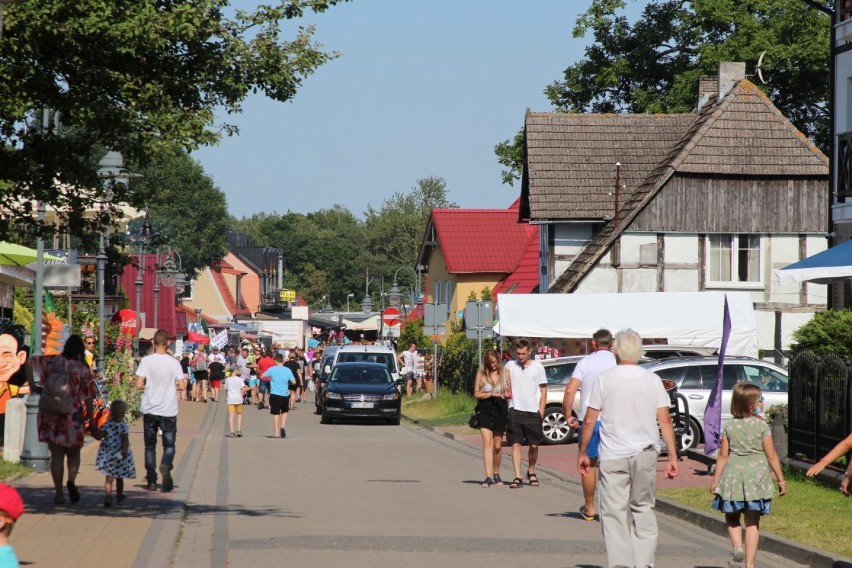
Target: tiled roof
[570, 164]
[227, 296]
[695, 151]
[525, 278]
[481, 240]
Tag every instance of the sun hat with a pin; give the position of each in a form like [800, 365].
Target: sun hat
[11, 502]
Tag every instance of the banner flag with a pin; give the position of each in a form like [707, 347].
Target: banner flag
[220, 340]
[713, 412]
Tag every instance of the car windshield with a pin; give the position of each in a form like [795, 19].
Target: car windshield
[360, 375]
[385, 359]
[560, 373]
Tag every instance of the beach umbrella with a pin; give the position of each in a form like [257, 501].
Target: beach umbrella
[829, 265]
[19, 255]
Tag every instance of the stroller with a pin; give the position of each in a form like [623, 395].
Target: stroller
[100, 410]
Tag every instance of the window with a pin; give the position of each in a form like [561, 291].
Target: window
[733, 258]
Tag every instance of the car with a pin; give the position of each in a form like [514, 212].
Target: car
[554, 422]
[664, 351]
[368, 354]
[695, 377]
[322, 370]
[362, 390]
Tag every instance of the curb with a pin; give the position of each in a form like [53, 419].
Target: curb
[795, 551]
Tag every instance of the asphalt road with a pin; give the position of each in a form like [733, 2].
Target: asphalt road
[352, 495]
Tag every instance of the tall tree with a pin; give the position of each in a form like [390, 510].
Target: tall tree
[136, 76]
[186, 208]
[653, 64]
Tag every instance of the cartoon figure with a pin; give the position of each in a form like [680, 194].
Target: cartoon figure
[13, 355]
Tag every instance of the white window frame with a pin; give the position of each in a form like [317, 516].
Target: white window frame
[734, 239]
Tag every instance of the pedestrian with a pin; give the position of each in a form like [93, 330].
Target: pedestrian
[115, 460]
[200, 368]
[492, 410]
[296, 371]
[633, 408]
[280, 379]
[840, 450]
[528, 384]
[188, 383]
[89, 342]
[64, 432]
[236, 389]
[585, 374]
[408, 361]
[11, 509]
[265, 362]
[216, 373]
[305, 375]
[156, 378]
[742, 484]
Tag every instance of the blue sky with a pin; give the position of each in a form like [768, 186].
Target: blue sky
[423, 88]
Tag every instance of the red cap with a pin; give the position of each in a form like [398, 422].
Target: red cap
[11, 502]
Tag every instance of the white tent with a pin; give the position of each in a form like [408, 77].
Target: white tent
[682, 318]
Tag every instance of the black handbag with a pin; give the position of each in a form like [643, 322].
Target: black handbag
[474, 421]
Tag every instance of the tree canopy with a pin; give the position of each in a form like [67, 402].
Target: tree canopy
[136, 76]
[653, 65]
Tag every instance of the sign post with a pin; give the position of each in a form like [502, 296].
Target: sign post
[479, 322]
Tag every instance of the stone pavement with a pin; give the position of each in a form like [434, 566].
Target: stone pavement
[181, 528]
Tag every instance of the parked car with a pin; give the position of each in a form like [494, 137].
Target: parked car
[362, 390]
[695, 377]
[322, 371]
[554, 422]
[661, 351]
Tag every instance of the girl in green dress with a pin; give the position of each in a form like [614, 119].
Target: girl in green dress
[742, 483]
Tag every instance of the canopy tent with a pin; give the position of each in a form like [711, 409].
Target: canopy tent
[834, 263]
[682, 318]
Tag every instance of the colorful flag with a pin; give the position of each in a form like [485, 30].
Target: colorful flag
[197, 338]
[713, 412]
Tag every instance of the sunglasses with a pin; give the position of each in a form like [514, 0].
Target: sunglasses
[760, 399]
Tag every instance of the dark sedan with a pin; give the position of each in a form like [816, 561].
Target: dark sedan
[361, 390]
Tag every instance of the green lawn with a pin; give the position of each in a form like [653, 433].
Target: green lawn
[11, 471]
[447, 409]
[810, 513]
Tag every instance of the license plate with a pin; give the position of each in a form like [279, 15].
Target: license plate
[362, 405]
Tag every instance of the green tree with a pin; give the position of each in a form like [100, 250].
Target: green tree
[412, 332]
[653, 64]
[135, 76]
[186, 208]
[827, 332]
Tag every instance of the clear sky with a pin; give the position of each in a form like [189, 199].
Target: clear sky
[423, 88]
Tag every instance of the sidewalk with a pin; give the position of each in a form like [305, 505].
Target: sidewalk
[88, 533]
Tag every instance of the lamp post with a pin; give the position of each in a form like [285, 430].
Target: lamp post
[145, 237]
[348, 297]
[395, 295]
[367, 302]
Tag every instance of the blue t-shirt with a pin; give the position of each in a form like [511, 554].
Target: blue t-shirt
[280, 377]
[7, 557]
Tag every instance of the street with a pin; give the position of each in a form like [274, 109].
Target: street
[353, 495]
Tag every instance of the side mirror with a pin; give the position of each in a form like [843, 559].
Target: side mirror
[327, 370]
[400, 382]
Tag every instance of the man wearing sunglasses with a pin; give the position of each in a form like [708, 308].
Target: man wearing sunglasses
[90, 353]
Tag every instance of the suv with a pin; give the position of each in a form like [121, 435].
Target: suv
[662, 351]
[368, 354]
[695, 376]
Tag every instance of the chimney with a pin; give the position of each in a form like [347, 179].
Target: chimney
[729, 74]
[708, 88]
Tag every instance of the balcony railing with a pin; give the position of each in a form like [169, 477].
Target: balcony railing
[844, 165]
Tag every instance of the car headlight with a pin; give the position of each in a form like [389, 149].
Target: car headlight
[391, 396]
[328, 394]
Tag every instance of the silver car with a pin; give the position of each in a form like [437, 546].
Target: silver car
[554, 423]
[695, 377]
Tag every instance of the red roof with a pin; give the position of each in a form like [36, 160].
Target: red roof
[525, 278]
[482, 240]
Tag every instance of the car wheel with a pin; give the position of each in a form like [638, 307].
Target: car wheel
[325, 418]
[555, 427]
[691, 435]
[317, 409]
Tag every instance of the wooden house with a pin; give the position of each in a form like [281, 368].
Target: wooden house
[709, 200]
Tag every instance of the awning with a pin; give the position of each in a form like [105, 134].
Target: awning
[821, 268]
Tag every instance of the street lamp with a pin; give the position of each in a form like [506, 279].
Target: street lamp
[145, 237]
[348, 296]
[367, 302]
[170, 274]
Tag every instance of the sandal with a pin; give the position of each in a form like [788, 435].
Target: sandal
[488, 482]
[58, 500]
[517, 483]
[497, 479]
[584, 516]
[73, 492]
[107, 501]
[533, 478]
[120, 499]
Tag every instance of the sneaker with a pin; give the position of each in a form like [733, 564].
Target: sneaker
[168, 482]
[283, 433]
[239, 434]
[232, 435]
[152, 486]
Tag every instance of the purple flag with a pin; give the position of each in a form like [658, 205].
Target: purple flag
[713, 412]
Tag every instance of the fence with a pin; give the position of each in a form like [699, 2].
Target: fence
[820, 404]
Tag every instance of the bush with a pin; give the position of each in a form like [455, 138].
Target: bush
[460, 363]
[826, 333]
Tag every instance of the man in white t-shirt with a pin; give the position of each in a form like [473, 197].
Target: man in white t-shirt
[157, 376]
[408, 360]
[528, 383]
[631, 402]
[586, 373]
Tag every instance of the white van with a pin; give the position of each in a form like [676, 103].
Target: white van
[369, 354]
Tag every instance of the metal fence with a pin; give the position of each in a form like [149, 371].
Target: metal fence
[820, 404]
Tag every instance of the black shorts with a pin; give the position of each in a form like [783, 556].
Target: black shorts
[278, 404]
[524, 428]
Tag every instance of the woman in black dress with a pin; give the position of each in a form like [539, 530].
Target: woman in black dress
[492, 409]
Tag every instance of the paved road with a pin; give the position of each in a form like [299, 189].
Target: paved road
[352, 495]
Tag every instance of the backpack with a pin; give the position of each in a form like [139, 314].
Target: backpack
[201, 364]
[56, 391]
